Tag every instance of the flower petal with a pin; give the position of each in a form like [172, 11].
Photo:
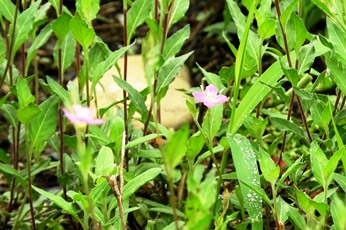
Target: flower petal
[211, 89]
[199, 96]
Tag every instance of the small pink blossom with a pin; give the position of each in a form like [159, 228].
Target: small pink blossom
[80, 115]
[210, 96]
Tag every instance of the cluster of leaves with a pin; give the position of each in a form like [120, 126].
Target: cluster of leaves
[252, 161]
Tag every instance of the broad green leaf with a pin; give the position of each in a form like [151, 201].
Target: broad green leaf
[270, 170]
[88, 9]
[282, 209]
[306, 57]
[318, 163]
[137, 182]
[194, 145]
[61, 26]
[8, 169]
[284, 125]
[44, 125]
[24, 26]
[39, 41]
[201, 198]
[175, 148]
[58, 90]
[259, 191]
[55, 4]
[338, 209]
[136, 98]
[104, 163]
[304, 202]
[23, 93]
[338, 38]
[116, 134]
[245, 163]
[341, 180]
[140, 140]
[168, 73]
[28, 113]
[10, 113]
[332, 164]
[7, 9]
[255, 95]
[82, 32]
[296, 218]
[67, 52]
[337, 71]
[174, 43]
[98, 70]
[212, 78]
[178, 11]
[212, 122]
[138, 13]
[59, 201]
[297, 32]
[267, 29]
[291, 169]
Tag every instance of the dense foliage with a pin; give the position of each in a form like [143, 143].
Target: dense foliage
[264, 148]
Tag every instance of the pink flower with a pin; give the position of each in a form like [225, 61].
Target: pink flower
[80, 115]
[210, 96]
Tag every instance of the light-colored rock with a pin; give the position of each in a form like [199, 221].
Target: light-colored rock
[173, 108]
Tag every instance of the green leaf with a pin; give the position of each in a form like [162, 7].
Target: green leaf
[28, 113]
[338, 38]
[116, 135]
[337, 71]
[100, 68]
[201, 198]
[61, 26]
[270, 170]
[338, 209]
[24, 26]
[67, 52]
[174, 43]
[140, 140]
[10, 113]
[59, 201]
[7, 9]
[137, 182]
[212, 78]
[23, 92]
[245, 163]
[175, 147]
[88, 9]
[285, 125]
[104, 163]
[212, 122]
[255, 95]
[136, 98]
[138, 13]
[282, 209]
[2, 50]
[259, 191]
[194, 145]
[341, 180]
[332, 164]
[82, 31]
[39, 41]
[44, 125]
[267, 29]
[296, 218]
[8, 169]
[168, 73]
[178, 11]
[291, 169]
[58, 90]
[318, 163]
[306, 57]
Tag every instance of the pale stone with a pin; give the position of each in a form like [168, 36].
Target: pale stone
[174, 111]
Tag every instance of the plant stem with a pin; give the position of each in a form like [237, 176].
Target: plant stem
[125, 38]
[29, 156]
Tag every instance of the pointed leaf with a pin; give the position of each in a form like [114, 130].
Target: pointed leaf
[138, 13]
